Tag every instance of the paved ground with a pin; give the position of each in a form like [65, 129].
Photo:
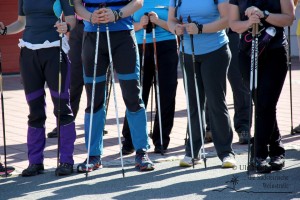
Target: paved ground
[168, 181]
[16, 111]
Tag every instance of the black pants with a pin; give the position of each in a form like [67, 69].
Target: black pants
[77, 83]
[272, 69]
[167, 60]
[211, 70]
[239, 89]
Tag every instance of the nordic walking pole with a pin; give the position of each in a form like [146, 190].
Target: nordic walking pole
[59, 95]
[92, 100]
[3, 119]
[108, 89]
[58, 13]
[115, 99]
[253, 71]
[197, 95]
[182, 63]
[290, 77]
[142, 71]
[255, 86]
[157, 88]
[143, 56]
[151, 110]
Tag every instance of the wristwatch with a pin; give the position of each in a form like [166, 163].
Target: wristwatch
[120, 13]
[266, 14]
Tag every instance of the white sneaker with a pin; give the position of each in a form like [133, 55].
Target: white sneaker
[228, 162]
[187, 161]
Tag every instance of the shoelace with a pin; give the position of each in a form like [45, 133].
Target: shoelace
[143, 156]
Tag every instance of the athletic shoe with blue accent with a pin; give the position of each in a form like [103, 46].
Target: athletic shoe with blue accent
[142, 161]
[94, 163]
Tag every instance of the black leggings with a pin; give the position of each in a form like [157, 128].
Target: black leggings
[272, 69]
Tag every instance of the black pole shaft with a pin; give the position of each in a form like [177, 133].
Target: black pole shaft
[151, 112]
[59, 95]
[3, 119]
[290, 77]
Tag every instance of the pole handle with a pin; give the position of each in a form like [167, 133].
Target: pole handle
[254, 30]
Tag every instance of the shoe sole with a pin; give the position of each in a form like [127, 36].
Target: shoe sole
[228, 165]
[90, 169]
[185, 164]
[149, 167]
[37, 173]
[63, 173]
[276, 167]
[264, 171]
[8, 172]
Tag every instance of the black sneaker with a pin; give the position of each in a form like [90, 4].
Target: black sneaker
[208, 137]
[8, 169]
[277, 163]
[64, 169]
[53, 133]
[33, 170]
[262, 166]
[243, 137]
[157, 149]
[127, 149]
[297, 129]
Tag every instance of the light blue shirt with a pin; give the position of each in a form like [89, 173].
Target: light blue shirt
[160, 7]
[203, 12]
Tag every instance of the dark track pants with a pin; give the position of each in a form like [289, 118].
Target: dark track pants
[211, 81]
[272, 69]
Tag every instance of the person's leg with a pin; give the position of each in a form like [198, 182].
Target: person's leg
[194, 115]
[77, 82]
[271, 73]
[208, 135]
[167, 73]
[33, 82]
[148, 76]
[240, 92]
[98, 118]
[213, 72]
[126, 63]
[67, 125]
